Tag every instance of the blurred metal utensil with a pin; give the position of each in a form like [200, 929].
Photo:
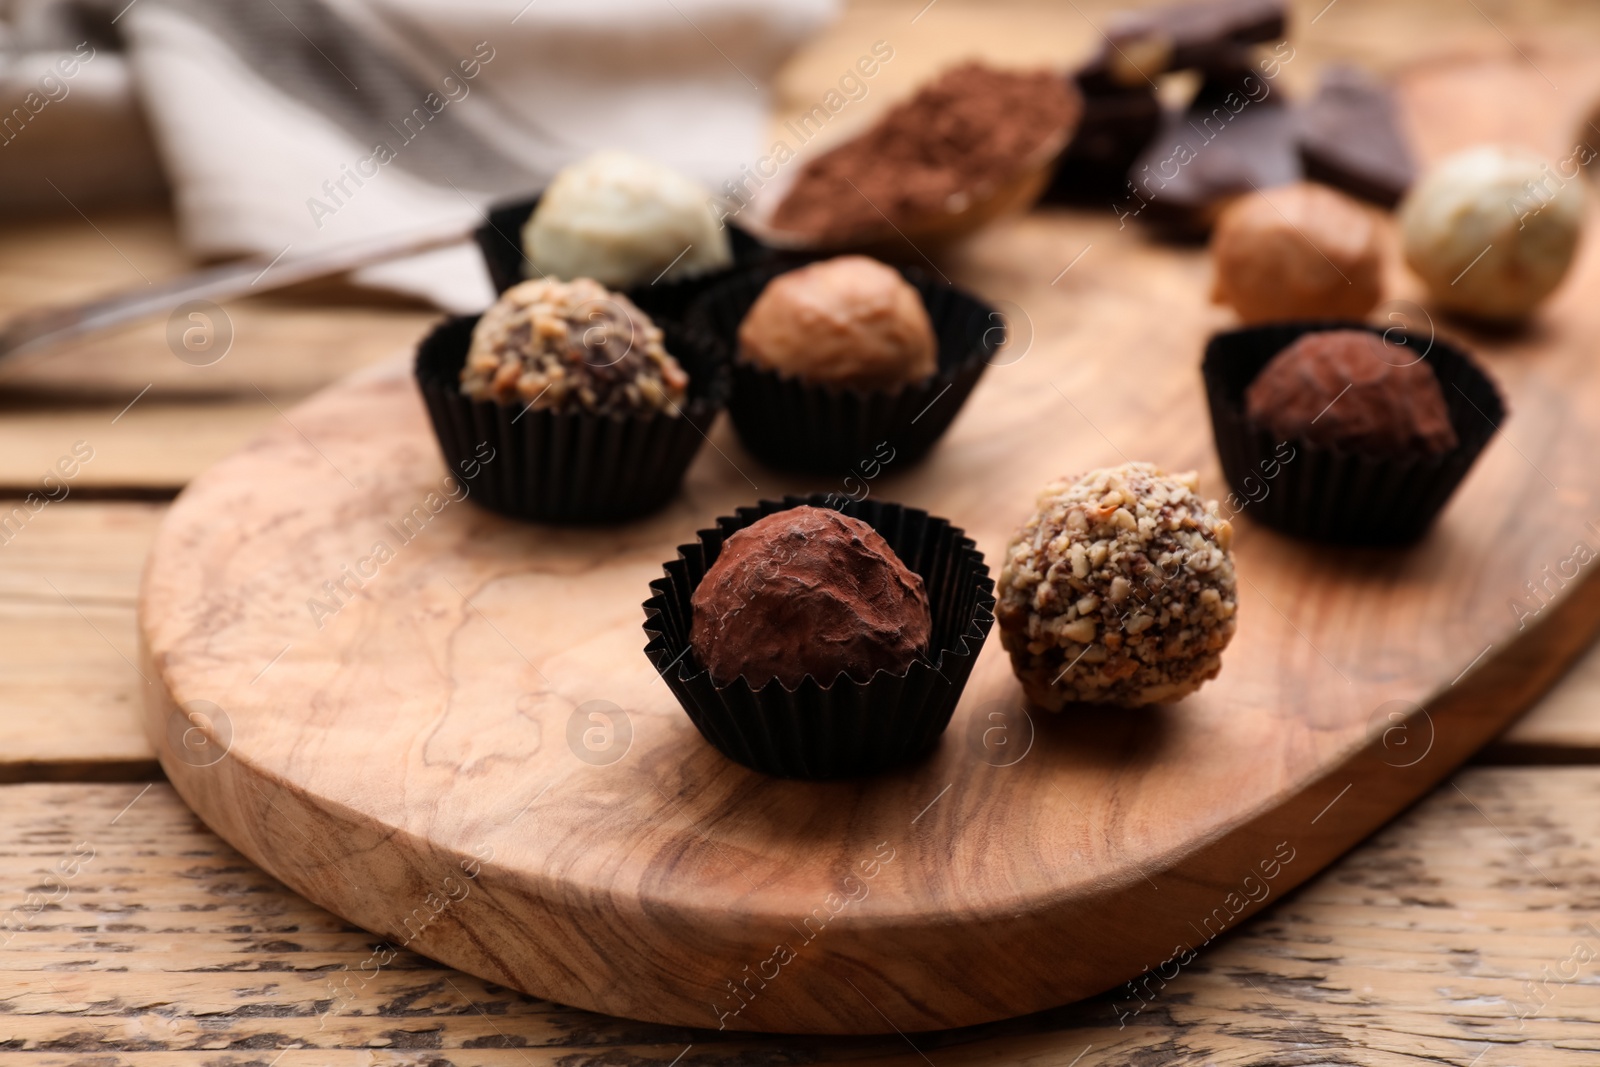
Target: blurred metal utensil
[52, 325]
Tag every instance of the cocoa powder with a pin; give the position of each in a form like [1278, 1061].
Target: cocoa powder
[964, 133]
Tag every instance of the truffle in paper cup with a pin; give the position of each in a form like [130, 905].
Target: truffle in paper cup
[560, 466]
[500, 241]
[837, 728]
[1327, 494]
[792, 424]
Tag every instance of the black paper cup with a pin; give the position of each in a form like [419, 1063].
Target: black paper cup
[500, 241]
[566, 466]
[1323, 493]
[795, 425]
[845, 728]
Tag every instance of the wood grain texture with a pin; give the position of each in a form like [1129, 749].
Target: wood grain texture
[477, 646]
[153, 419]
[70, 699]
[290, 341]
[69, 688]
[1441, 941]
[1435, 900]
[73, 700]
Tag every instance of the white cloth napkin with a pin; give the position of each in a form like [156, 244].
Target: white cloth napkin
[285, 125]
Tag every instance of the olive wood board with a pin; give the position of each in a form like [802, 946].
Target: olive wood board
[427, 742]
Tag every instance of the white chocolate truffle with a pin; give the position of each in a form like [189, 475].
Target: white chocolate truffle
[624, 220]
[1505, 205]
[1118, 590]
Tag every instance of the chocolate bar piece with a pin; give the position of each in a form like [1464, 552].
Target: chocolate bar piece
[1349, 136]
[1115, 127]
[1140, 45]
[1202, 158]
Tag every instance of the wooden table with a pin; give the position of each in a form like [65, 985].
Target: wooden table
[1461, 934]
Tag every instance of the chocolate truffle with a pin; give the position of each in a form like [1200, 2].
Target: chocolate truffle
[1188, 174]
[1118, 590]
[1348, 389]
[844, 321]
[572, 346]
[624, 220]
[1299, 251]
[808, 591]
[1491, 231]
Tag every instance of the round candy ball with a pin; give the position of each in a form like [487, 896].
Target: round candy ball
[1297, 252]
[1118, 590]
[572, 346]
[844, 321]
[808, 591]
[1491, 231]
[624, 220]
[1348, 389]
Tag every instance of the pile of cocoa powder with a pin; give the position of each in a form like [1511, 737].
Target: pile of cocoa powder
[966, 132]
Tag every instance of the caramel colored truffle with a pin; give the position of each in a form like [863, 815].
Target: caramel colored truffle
[808, 591]
[845, 321]
[1491, 231]
[1119, 589]
[1298, 251]
[1349, 390]
[573, 346]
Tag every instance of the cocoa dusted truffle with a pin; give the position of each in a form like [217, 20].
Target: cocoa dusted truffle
[808, 591]
[1299, 251]
[1347, 389]
[844, 321]
[572, 346]
[1119, 589]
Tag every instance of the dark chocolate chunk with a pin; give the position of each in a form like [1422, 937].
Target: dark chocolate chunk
[1116, 126]
[1139, 45]
[1238, 77]
[1349, 136]
[1201, 158]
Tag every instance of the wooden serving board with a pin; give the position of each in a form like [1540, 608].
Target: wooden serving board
[469, 754]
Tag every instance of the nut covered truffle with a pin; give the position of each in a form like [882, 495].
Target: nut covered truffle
[1347, 389]
[808, 591]
[845, 321]
[1118, 590]
[1298, 251]
[1491, 231]
[572, 346]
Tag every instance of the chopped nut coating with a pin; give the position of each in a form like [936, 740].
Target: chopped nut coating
[1118, 590]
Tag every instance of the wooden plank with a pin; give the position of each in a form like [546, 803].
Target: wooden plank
[69, 579]
[132, 448]
[183, 416]
[1461, 934]
[288, 342]
[1564, 727]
